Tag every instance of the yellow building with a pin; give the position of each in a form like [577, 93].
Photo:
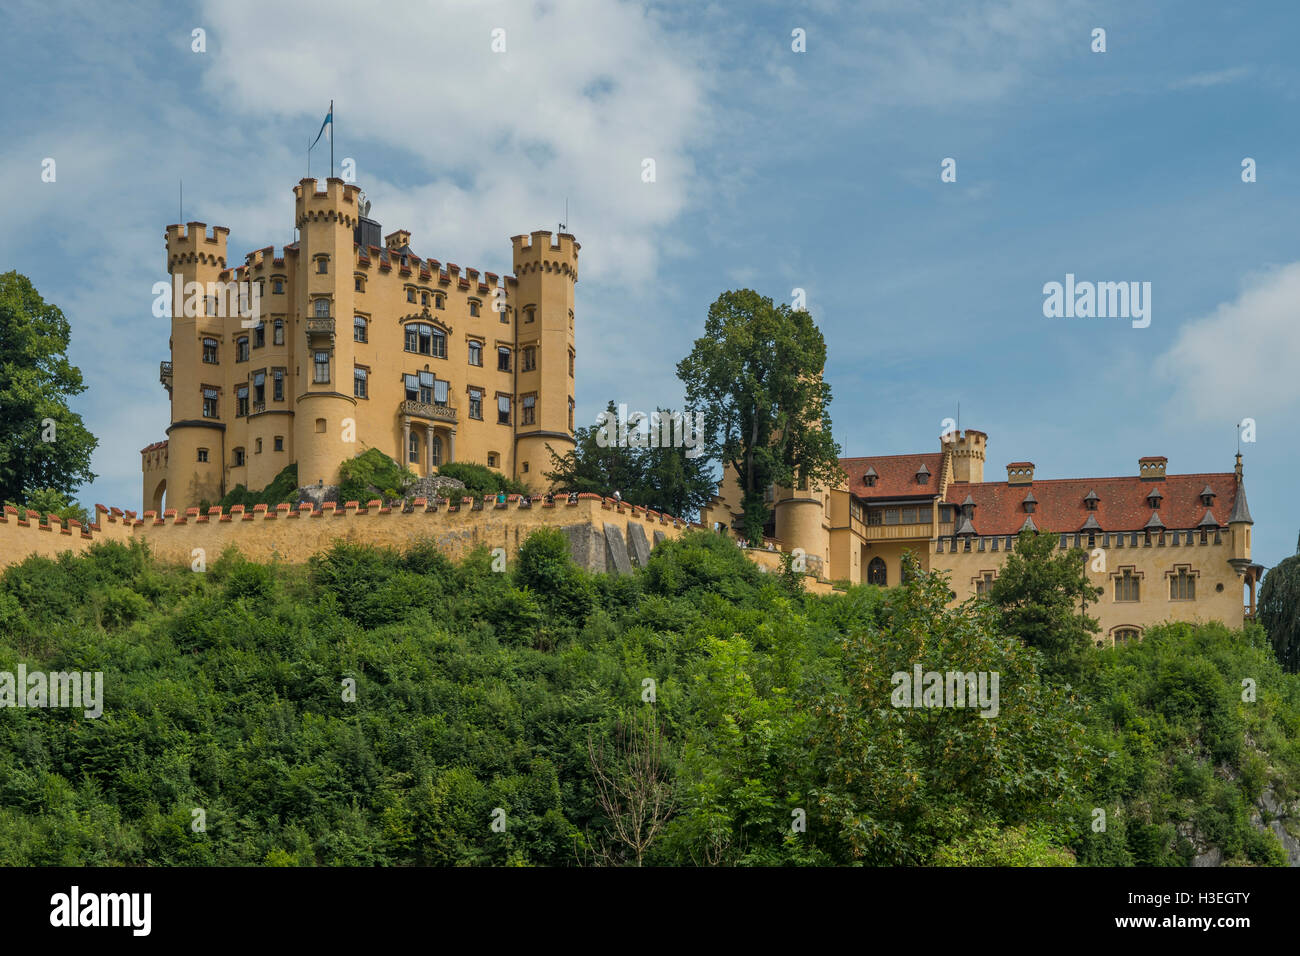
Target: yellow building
[1162, 547]
[358, 345]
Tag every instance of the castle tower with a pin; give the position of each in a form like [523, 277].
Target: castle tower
[200, 411]
[801, 523]
[542, 300]
[1239, 524]
[320, 381]
[967, 454]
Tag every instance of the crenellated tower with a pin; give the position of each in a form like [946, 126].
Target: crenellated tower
[199, 319]
[546, 269]
[320, 382]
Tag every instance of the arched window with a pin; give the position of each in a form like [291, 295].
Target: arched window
[876, 573]
[437, 451]
[1126, 635]
[413, 449]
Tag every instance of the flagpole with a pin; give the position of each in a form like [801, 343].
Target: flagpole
[332, 128]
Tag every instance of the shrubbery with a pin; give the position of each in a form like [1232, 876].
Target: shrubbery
[477, 689]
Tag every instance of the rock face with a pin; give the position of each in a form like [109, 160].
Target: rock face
[616, 550]
[317, 495]
[638, 545]
[1283, 821]
[436, 487]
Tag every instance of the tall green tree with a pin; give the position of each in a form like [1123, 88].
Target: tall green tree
[1279, 610]
[43, 443]
[756, 374]
[1041, 596]
[665, 479]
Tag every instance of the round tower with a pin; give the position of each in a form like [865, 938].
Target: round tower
[200, 399]
[320, 380]
[546, 270]
[801, 523]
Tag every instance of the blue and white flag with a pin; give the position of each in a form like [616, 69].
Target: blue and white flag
[329, 121]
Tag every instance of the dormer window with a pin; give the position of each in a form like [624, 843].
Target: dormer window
[1207, 496]
[1030, 503]
[1090, 502]
[1154, 499]
[869, 478]
[922, 474]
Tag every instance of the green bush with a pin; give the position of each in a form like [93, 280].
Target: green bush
[370, 475]
[480, 480]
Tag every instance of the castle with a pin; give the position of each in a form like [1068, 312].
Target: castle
[354, 346]
[1161, 547]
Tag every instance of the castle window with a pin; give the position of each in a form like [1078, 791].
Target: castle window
[439, 344]
[570, 414]
[413, 449]
[908, 516]
[241, 349]
[259, 390]
[279, 443]
[1127, 586]
[322, 308]
[209, 402]
[322, 265]
[424, 298]
[570, 363]
[210, 351]
[492, 459]
[524, 467]
[257, 449]
[475, 353]
[239, 457]
[945, 514]
[1182, 585]
[259, 336]
[440, 390]
[473, 307]
[277, 286]
[874, 516]
[984, 583]
[530, 313]
[241, 401]
[322, 363]
[530, 410]
[503, 409]
[279, 332]
[320, 426]
[1126, 635]
[359, 379]
[476, 403]
[503, 359]
[412, 385]
[505, 315]
[530, 359]
[277, 385]
[891, 516]
[439, 300]
[435, 451]
[358, 329]
[358, 284]
[877, 573]
[410, 295]
[203, 454]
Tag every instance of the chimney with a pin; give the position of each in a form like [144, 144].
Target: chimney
[1020, 473]
[1152, 467]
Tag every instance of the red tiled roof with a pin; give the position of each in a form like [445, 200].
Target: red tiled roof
[896, 475]
[1123, 505]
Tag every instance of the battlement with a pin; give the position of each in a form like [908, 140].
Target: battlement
[337, 202]
[191, 243]
[538, 252]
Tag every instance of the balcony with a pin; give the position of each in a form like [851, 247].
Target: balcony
[165, 374]
[259, 407]
[896, 532]
[436, 413]
[320, 325]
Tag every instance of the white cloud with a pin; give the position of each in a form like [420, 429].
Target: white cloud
[1241, 359]
[1210, 78]
[582, 94]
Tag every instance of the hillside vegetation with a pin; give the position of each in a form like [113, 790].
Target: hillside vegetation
[698, 712]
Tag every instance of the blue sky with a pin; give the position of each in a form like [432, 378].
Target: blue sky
[774, 170]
